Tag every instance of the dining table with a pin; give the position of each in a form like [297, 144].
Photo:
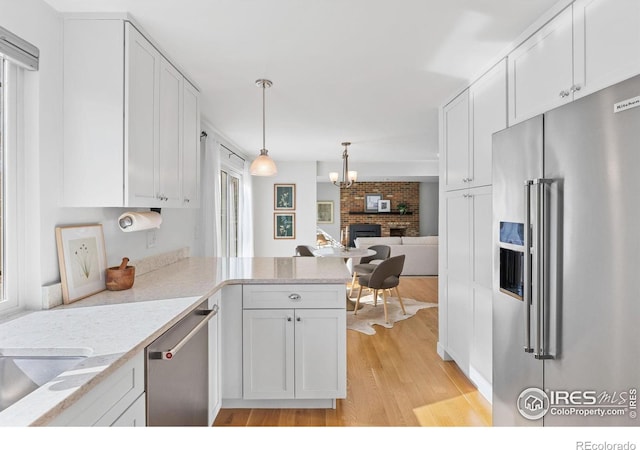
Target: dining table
[346, 253]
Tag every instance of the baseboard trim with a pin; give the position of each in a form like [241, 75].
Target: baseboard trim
[287, 403]
[443, 353]
[484, 387]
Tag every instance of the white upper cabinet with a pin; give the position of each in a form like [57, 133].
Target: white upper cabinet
[93, 113]
[468, 124]
[128, 127]
[541, 70]
[170, 144]
[607, 43]
[488, 104]
[141, 94]
[455, 132]
[590, 45]
[191, 147]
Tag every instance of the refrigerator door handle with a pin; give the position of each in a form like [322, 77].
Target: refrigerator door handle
[540, 264]
[526, 294]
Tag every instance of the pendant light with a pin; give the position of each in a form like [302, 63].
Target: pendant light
[263, 165]
[348, 176]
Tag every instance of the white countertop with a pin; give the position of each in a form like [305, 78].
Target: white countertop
[117, 325]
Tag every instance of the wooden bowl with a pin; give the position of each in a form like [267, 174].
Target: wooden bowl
[120, 279]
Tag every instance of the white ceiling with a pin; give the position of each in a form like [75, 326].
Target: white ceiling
[372, 72]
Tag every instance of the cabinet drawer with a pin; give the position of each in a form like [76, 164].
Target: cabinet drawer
[103, 405]
[134, 416]
[294, 296]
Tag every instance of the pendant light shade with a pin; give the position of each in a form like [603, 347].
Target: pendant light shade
[263, 165]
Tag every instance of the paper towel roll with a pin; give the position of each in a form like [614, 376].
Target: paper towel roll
[136, 221]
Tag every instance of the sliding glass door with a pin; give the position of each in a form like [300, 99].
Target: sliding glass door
[230, 212]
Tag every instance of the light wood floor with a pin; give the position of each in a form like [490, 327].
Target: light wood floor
[394, 378]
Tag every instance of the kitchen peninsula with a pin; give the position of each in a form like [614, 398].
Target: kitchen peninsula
[114, 327]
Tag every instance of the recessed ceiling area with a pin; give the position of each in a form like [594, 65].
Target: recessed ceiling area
[372, 72]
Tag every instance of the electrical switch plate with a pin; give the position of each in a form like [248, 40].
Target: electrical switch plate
[151, 238]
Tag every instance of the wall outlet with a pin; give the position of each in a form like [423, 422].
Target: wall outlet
[151, 238]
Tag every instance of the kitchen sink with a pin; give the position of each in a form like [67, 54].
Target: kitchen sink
[23, 370]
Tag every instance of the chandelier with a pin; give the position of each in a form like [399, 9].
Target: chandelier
[348, 176]
[263, 165]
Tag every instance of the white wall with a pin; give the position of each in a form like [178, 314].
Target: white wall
[329, 192]
[40, 181]
[429, 209]
[303, 174]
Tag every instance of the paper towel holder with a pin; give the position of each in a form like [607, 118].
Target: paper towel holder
[126, 222]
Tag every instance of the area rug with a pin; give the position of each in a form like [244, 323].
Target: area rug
[370, 315]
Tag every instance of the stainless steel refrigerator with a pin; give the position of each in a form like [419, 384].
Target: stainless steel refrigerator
[566, 235]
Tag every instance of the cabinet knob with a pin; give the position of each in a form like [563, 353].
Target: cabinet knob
[288, 319]
[575, 88]
[186, 200]
[298, 319]
[295, 297]
[564, 94]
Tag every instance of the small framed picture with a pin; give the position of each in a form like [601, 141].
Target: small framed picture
[371, 202]
[82, 260]
[384, 206]
[325, 212]
[284, 196]
[284, 225]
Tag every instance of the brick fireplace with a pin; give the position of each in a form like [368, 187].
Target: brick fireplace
[392, 223]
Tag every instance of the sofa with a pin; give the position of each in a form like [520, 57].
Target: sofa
[421, 253]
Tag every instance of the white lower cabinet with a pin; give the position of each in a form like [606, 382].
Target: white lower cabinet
[285, 345]
[119, 400]
[466, 301]
[134, 416]
[294, 353]
[267, 357]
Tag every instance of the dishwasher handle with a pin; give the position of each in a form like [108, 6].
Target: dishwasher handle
[169, 354]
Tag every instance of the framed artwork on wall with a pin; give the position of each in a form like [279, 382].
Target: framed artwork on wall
[284, 196]
[384, 206]
[284, 225]
[371, 202]
[325, 212]
[82, 260]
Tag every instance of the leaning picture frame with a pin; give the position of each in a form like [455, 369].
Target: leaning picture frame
[371, 202]
[82, 259]
[384, 206]
[284, 196]
[284, 225]
[325, 212]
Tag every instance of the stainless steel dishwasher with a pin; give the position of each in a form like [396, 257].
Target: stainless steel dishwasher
[177, 373]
